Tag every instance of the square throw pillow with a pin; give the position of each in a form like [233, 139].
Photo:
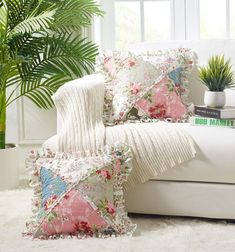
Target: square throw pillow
[168, 99]
[152, 84]
[79, 195]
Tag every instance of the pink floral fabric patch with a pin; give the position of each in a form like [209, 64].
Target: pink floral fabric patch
[79, 195]
[162, 101]
[78, 216]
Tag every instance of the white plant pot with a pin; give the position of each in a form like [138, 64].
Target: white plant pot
[9, 167]
[214, 99]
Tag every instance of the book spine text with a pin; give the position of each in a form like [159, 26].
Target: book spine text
[207, 112]
[202, 121]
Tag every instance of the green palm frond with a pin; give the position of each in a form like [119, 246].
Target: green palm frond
[73, 14]
[60, 59]
[40, 92]
[3, 18]
[34, 24]
[61, 55]
[41, 48]
[27, 45]
[19, 10]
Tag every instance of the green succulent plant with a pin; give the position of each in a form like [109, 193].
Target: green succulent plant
[41, 48]
[218, 74]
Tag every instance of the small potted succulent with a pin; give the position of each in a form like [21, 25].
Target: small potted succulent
[217, 76]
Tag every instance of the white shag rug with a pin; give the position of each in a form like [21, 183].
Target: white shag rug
[154, 233]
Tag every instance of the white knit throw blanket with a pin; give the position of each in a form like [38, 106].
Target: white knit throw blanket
[156, 146]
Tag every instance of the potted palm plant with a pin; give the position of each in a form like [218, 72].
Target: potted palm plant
[217, 76]
[41, 48]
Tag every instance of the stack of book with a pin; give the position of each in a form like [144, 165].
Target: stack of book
[220, 117]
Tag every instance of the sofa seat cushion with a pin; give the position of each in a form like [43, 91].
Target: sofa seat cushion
[215, 160]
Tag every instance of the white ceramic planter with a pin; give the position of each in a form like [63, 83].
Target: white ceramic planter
[214, 99]
[9, 168]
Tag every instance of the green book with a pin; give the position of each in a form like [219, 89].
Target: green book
[205, 121]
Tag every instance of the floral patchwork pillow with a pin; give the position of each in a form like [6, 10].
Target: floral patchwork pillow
[168, 97]
[134, 84]
[77, 195]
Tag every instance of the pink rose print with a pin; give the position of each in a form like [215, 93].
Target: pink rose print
[129, 63]
[110, 209]
[121, 114]
[135, 89]
[66, 196]
[158, 111]
[109, 65]
[84, 227]
[107, 207]
[36, 174]
[105, 174]
[107, 59]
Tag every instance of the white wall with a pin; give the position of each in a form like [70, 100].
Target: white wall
[29, 127]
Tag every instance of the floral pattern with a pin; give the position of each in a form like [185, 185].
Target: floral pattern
[163, 101]
[132, 79]
[127, 79]
[79, 195]
[176, 64]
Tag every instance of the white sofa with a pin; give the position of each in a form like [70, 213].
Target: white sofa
[204, 186]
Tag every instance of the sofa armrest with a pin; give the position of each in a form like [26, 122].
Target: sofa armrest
[79, 106]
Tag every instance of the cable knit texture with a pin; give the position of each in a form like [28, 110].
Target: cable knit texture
[79, 106]
[156, 146]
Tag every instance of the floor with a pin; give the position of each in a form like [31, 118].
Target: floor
[154, 233]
